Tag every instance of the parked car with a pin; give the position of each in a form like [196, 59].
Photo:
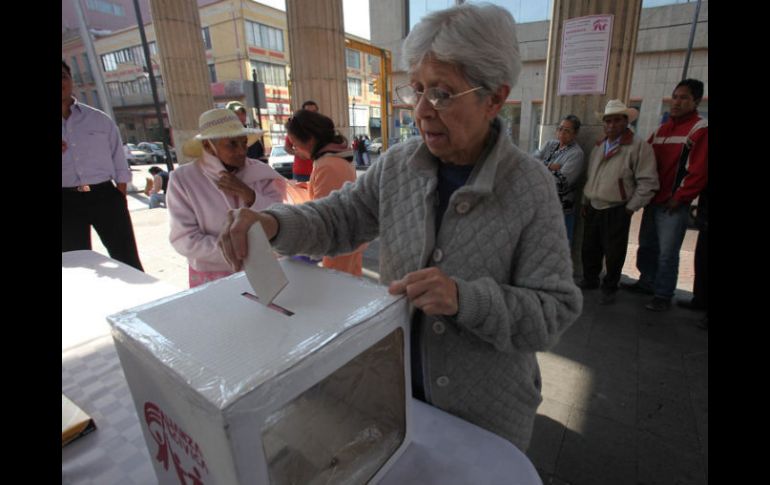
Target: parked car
[282, 162]
[156, 150]
[375, 146]
[137, 156]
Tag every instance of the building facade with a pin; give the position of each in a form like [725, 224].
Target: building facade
[242, 39]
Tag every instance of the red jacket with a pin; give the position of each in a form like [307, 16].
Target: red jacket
[302, 166]
[668, 141]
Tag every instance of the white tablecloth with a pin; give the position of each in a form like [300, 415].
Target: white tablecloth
[444, 449]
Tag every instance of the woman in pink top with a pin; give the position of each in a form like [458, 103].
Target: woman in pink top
[313, 136]
[221, 178]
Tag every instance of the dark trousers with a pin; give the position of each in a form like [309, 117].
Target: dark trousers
[106, 210]
[700, 286]
[605, 236]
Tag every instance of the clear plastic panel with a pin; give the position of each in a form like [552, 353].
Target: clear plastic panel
[343, 429]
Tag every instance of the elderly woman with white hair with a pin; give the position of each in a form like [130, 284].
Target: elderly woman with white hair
[220, 179]
[470, 228]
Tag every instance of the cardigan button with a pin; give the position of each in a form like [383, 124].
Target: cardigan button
[442, 381]
[438, 255]
[439, 327]
[463, 208]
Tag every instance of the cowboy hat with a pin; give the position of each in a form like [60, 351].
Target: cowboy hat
[218, 123]
[235, 106]
[617, 107]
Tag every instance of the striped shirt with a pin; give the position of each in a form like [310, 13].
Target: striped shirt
[94, 151]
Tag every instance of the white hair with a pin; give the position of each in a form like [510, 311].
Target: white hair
[480, 39]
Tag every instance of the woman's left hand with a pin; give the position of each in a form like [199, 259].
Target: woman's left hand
[430, 290]
[232, 185]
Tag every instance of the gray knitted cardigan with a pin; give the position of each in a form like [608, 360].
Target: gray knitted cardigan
[502, 240]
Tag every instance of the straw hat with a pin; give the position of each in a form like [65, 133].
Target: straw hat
[617, 107]
[218, 123]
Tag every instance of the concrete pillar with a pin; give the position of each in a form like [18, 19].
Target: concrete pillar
[625, 28]
[177, 27]
[317, 46]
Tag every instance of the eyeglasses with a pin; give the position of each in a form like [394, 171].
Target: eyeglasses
[437, 97]
[565, 130]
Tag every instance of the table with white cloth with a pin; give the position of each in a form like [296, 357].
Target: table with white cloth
[444, 448]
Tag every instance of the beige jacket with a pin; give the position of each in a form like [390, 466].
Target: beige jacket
[627, 175]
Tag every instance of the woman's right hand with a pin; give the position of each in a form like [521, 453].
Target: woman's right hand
[233, 238]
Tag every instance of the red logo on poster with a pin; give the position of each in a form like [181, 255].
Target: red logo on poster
[600, 24]
[173, 441]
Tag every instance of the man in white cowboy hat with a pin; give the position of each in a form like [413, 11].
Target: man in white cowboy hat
[221, 178]
[622, 178]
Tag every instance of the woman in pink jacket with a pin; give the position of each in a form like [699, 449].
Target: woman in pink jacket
[314, 137]
[221, 178]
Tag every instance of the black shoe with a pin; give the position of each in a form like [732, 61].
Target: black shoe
[637, 287]
[659, 304]
[588, 285]
[607, 298]
[691, 305]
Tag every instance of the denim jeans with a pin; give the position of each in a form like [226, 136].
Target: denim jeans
[569, 221]
[660, 239]
[156, 200]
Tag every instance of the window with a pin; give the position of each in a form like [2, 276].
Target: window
[511, 115]
[114, 90]
[75, 70]
[263, 36]
[144, 85]
[534, 135]
[354, 87]
[352, 59]
[212, 73]
[108, 62]
[129, 55]
[105, 7]
[137, 55]
[374, 63]
[87, 77]
[206, 38]
[273, 74]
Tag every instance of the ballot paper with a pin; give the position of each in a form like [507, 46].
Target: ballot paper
[263, 271]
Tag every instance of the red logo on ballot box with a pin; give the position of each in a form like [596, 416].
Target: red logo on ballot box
[174, 443]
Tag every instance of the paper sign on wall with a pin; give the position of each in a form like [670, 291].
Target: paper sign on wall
[262, 269]
[585, 54]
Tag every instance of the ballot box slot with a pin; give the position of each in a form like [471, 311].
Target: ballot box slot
[271, 306]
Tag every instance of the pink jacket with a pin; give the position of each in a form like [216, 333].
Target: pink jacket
[198, 209]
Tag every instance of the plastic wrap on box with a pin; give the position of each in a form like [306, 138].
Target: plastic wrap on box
[344, 428]
[263, 397]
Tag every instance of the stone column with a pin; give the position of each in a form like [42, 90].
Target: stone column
[317, 48]
[625, 28]
[177, 27]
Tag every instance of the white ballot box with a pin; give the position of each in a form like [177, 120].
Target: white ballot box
[310, 390]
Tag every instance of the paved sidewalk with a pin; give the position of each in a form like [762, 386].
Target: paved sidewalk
[625, 390]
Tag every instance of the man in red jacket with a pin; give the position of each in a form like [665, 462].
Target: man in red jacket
[681, 151]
